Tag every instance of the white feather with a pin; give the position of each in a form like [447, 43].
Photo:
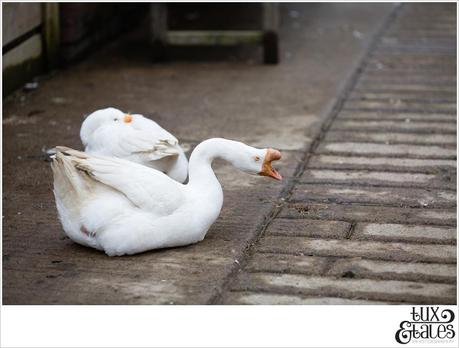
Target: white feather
[142, 141]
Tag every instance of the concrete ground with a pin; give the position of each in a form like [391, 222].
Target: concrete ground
[363, 106]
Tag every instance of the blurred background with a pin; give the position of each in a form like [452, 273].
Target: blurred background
[39, 37]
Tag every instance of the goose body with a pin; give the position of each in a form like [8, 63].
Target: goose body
[122, 207]
[112, 133]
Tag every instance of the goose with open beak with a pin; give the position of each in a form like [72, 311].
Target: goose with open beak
[122, 207]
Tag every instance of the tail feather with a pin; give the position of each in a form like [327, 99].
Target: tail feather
[70, 182]
[71, 189]
[65, 173]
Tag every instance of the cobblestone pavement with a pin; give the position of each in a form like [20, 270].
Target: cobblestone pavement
[371, 214]
[363, 108]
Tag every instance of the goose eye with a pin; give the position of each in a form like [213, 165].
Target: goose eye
[256, 158]
[115, 119]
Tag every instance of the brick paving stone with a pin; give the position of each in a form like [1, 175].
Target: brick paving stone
[382, 163]
[391, 97]
[369, 213]
[389, 251]
[308, 228]
[376, 269]
[371, 176]
[394, 126]
[391, 196]
[368, 289]
[403, 78]
[407, 151]
[398, 232]
[375, 178]
[418, 87]
[280, 263]
[397, 105]
[262, 298]
[429, 67]
[392, 138]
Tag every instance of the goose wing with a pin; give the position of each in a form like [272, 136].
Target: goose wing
[145, 187]
[142, 137]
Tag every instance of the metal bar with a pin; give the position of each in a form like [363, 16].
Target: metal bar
[212, 38]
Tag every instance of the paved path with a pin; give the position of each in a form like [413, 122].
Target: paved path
[371, 215]
[367, 213]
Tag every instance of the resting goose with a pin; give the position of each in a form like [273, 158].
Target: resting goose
[122, 207]
[113, 133]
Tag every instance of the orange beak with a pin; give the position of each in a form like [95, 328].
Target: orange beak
[267, 169]
[127, 118]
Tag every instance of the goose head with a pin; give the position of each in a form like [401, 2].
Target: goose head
[244, 157]
[258, 162]
[267, 168]
[109, 117]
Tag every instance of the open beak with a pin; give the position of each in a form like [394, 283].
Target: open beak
[127, 118]
[267, 169]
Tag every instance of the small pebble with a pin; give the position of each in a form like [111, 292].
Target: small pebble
[59, 100]
[357, 34]
[294, 14]
[30, 86]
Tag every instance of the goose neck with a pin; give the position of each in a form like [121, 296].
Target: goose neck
[200, 170]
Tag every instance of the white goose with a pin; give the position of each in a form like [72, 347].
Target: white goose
[113, 133]
[123, 207]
